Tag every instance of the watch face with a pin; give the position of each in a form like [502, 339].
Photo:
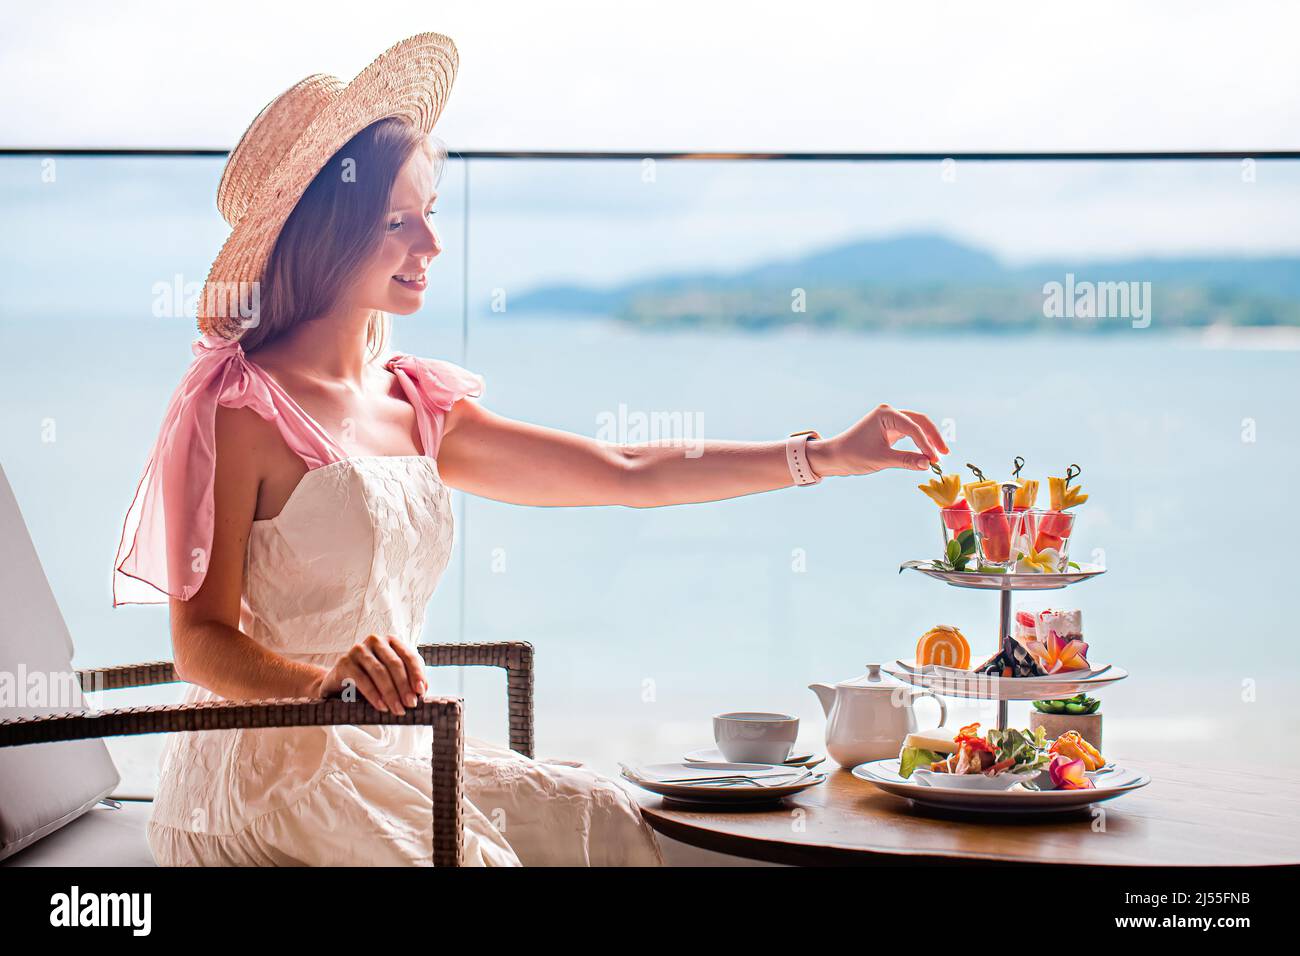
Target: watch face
[810, 433]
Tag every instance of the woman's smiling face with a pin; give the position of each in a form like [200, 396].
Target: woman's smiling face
[396, 278]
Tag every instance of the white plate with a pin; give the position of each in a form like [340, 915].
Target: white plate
[1007, 582]
[717, 793]
[1083, 674]
[884, 774]
[955, 683]
[797, 758]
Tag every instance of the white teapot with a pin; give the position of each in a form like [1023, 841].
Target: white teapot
[868, 717]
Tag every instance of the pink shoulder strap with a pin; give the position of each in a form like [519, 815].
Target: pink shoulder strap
[167, 534]
[433, 386]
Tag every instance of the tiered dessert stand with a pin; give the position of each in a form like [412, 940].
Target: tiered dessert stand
[950, 682]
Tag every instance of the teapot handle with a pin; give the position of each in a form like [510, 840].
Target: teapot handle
[943, 708]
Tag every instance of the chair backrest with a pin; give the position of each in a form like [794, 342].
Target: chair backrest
[42, 786]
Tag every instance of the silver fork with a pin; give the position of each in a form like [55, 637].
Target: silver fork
[779, 779]
[773, 780]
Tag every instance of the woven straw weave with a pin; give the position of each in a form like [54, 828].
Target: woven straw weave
[292, 139]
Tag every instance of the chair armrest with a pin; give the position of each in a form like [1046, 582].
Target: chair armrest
[95, 679]
[444, 714]
[516, 657]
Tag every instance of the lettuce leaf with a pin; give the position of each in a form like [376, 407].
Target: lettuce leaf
[912, 757]
[1026, 751]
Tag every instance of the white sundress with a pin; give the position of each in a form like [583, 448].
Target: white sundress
[359, 549]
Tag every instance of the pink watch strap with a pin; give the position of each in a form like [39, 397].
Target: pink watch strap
[796, 456]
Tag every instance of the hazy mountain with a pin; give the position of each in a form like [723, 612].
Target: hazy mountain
[929, 281]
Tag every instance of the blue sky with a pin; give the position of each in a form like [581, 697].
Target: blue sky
[722, 75]
[680, 74]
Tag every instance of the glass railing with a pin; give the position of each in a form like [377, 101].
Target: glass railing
[1138, 317]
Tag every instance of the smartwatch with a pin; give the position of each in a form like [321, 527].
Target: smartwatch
[796, 456]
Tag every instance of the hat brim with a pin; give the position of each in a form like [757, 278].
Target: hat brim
[411, 81]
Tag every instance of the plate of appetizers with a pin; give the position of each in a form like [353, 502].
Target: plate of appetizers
[1044, 657]
[1001, 771]
[715, 783]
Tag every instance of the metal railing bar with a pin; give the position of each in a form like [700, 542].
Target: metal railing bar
[881, 157]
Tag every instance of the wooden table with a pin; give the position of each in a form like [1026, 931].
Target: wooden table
[1186, 817]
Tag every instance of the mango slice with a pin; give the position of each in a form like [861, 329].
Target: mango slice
[943, 491]
[1063, 497]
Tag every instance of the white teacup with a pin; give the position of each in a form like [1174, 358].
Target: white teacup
[755, 737]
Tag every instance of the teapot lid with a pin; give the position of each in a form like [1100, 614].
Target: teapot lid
[873, 679]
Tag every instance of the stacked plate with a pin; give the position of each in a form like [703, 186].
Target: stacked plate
[717, 782]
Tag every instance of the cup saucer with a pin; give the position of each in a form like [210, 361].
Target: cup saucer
[797, 758]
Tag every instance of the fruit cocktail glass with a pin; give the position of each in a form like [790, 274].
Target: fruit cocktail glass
[958, 537]
[995, 532]
[1049, 531]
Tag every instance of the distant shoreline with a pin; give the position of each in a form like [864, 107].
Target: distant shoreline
[1224, 337]
[913, 283]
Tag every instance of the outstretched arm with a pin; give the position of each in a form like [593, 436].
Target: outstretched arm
[496, 457]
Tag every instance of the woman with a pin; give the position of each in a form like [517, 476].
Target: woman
[295, 506]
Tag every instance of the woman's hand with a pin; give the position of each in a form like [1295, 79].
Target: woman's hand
[387, 672]
[869, 445]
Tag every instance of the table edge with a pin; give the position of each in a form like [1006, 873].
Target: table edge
[793, 853]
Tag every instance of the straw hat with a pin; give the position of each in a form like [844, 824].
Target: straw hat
[292, 139]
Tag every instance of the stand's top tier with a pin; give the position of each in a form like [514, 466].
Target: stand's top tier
[989, 581]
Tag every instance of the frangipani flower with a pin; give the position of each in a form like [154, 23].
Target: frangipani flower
[1069, 774]
[1047, 561]
[1055, 655]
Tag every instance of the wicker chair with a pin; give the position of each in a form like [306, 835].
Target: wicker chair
[443, 714]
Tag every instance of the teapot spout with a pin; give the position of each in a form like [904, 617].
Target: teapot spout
[826, 694]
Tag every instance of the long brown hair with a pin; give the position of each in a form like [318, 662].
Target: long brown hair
[336, 227]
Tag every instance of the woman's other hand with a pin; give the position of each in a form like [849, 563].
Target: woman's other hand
[385, 670]
[868, 446]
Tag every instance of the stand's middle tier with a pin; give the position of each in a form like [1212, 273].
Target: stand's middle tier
[950, 682]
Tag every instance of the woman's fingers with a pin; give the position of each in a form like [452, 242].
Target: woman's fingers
[385, 670]
[387, 650]
[414, 665]
[930, 429]
[396, 666]
[367, 689]
[912, 460]
[366, 656]
[900, 424]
